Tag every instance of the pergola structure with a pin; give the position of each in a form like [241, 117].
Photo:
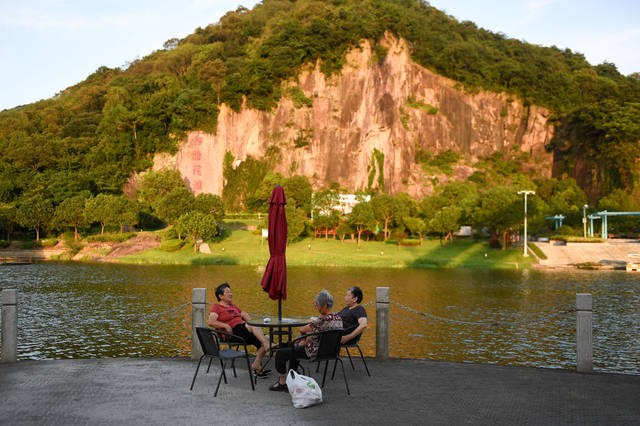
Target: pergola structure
[591, 218]
[557, 220]
[604, 216]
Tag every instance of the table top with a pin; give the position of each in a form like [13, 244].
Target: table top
[275, 322]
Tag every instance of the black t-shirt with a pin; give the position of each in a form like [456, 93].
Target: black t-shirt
[350, 317]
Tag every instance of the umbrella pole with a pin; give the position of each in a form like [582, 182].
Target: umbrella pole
[279, 309]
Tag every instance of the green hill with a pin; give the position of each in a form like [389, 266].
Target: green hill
[92, 136]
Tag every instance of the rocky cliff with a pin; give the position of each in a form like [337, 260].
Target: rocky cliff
[369, 119]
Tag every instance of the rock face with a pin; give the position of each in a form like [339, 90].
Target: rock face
[369, 119]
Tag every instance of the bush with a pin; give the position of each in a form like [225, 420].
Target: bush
[169, 234]
[574, 239]
[566, 230]
[409, 243]
[49, 242]
[4, 243]
[112, 238]
[171, 245]
[27, 245]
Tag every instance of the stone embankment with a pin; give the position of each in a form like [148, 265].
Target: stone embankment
[613, 254]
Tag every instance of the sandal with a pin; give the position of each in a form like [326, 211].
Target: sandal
[261, 373]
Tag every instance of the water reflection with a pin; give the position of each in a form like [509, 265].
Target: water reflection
[70, 310]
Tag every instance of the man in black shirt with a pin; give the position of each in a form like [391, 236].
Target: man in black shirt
[354, 316]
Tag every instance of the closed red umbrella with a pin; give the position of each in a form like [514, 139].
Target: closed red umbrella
[274, 280]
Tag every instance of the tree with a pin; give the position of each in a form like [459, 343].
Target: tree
[71, 213]
[156, 184]
[445, 222]
[384, 209]
[500, 209]
[35, 213]
[326, 222]
[415, 225]
[97, 209]
[298, 191]
[296, 222]
[122, 210]
[210, 204]
[618, 201]
[8, 214]
[361, 218]
[197, 225]
[323, 202]
[343, 230]
[169, 207]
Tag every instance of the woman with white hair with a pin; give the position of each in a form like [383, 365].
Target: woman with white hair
[326, 321]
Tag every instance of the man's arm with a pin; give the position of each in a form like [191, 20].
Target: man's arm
[213, 322]
[362, 324]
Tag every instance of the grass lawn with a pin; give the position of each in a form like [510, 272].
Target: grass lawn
[244, 248]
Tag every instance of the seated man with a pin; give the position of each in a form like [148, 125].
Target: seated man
[226, 316]
[354, 317]
[326, 321]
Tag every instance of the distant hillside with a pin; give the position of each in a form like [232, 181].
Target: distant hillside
[94, 135]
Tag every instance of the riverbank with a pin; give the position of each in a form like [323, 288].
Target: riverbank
[245, 248]
[156, 391]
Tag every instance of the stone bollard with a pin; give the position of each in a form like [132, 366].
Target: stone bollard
[198, 318]
[584, 340]
[382, 322]
[9, 325]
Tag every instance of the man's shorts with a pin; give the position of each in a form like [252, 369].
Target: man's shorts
[241, 331]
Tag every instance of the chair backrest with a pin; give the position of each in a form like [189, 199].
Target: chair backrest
[329, 347]
[208, 341]
[356, 339]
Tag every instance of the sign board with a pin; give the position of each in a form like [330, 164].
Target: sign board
[265, 233]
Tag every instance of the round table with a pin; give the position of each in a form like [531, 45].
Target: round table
[279, 327]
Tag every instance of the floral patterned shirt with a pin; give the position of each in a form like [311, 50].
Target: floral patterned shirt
[323, 323]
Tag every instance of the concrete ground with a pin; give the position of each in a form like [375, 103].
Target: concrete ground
[614, 253]
[156, 391]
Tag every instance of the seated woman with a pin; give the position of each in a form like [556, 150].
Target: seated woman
[354, 317]
[326, 321]
[226, 316]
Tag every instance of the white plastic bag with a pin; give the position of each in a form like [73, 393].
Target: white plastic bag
[304, 391]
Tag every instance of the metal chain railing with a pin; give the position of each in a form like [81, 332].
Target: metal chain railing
[491, 324]
[145, 317]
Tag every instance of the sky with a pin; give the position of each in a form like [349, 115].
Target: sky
[47, 46]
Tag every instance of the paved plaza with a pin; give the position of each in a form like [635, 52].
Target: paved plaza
[614, 253]
[132, 391]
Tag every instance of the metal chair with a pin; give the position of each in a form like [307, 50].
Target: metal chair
[353, 343]
[328, 349]
[210, 343]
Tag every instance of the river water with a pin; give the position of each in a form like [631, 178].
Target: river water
[83, 310]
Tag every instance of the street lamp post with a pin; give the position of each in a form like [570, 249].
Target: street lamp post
[584, 219]
[525, 218]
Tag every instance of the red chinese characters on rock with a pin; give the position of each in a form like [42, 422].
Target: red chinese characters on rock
[196, 139]
[194, 167]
